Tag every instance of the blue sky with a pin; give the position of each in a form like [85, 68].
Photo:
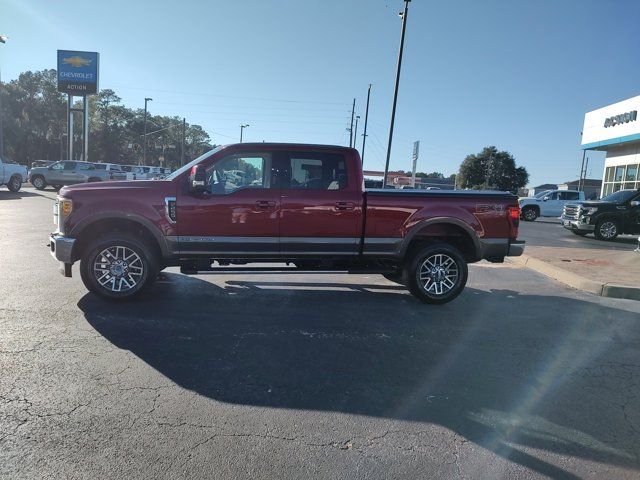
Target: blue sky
[512, 73]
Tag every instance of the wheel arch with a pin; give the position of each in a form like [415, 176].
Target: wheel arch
[96, 225]
[452, 231]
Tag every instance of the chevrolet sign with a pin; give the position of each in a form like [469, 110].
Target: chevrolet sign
[78, 72]
[622, 118]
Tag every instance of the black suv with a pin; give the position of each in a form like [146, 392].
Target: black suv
[606, 218]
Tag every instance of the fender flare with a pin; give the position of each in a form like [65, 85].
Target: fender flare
[142, 221]
[440, 220]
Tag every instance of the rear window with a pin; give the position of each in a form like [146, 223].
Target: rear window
[317, 171]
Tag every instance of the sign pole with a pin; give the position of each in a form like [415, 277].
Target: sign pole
[70, 126]
[416, 152]
[85, 128]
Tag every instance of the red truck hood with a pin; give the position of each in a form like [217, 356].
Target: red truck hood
[128, 187]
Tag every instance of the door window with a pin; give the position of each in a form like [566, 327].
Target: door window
[86, 166]
[569, 195]
[69, 165]
[57, 166]
[239, 171]
[317, 171]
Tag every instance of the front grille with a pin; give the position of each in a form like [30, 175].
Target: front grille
[571, 212]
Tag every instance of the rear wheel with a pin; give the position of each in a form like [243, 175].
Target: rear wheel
[606, 229]
[14, 184]
[39, 182]
[436, 274]
[529, 214]
[118, 267]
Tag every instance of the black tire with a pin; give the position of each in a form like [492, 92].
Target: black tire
[15, 183]
[607, 229]
[396, 277]
[144, 259]
[529, 214]
[39, 182]
[57, 187]
[445, 261]
[580, 233]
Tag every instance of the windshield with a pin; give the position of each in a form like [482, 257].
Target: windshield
[620, 196]
[188, 166]
[542, 194]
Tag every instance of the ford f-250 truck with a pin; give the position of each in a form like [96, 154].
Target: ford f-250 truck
[294, 204]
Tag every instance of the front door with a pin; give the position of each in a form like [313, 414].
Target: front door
[55, 176]
[552, 207]
[321, 206]
[237, 215]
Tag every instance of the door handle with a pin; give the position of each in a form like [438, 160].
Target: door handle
[345, 205]
[265, 204]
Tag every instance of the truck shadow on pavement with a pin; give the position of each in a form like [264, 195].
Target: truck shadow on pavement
[511, 373]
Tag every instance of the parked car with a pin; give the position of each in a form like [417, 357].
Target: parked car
[42, 163]
[114, 169]
[301, 204]
[66, 172]
[548, 203]
[12, 175]
[607, 218]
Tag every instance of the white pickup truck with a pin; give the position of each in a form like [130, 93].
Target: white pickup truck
[548, 203]
[12, 175]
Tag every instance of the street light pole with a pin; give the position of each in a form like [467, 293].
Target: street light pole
[353, 111]
[366, 121]
[144, 145]
[355, 132]
[395, 93]
[242, 127]
[3, 39]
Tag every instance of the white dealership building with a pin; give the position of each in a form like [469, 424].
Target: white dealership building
[615, 129]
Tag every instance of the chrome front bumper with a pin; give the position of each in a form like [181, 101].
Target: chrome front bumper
[577, 225]
[62, 250]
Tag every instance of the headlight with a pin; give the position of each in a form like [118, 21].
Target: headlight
[66, 206]
[589, 210]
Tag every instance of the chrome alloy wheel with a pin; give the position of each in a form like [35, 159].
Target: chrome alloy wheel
[118, 269]
[608, 229]
[438, 274]
[530, 214]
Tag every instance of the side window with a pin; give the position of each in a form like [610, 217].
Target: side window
[57, 166]
[553, 196]
[570, 196]
[239, 171]
[86, 166]
[69, 165]
[317, 171]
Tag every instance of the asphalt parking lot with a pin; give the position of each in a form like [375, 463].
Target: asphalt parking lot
[548, 232]
[309, 376]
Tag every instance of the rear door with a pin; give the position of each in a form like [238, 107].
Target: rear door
[238, 215]
[321, 205]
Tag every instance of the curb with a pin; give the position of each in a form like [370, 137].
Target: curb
[576, 281]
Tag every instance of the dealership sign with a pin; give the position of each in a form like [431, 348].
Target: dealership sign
[622, 118]
[78, 72]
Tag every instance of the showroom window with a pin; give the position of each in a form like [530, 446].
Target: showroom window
[622, 177]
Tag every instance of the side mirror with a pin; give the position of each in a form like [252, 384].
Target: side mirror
[544, 199]
[197, 179]
[635, 203]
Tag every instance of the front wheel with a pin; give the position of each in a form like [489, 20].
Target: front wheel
[436, 274]
[39, 182]
[606, 229]
[14, 184]
[118, 267]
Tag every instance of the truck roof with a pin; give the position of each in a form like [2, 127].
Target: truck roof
[287, 145]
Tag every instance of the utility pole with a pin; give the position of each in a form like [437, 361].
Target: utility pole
[3, 39]
[353, 110]
[584, 152]
[184, 130]
[366, 120]
[242, 127]
[355, 133]
[144, 145]
[395, 93]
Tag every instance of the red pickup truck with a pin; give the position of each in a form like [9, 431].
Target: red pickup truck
[302, 206]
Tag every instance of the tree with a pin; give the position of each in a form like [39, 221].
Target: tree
[34, 116]
[492, 169]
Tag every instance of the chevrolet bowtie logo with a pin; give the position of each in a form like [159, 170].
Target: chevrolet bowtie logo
[76, 61]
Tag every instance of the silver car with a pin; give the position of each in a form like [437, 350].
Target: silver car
[66, 172]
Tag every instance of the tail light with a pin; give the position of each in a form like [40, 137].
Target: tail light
[513, 215]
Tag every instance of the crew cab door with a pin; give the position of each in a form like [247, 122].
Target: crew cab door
[551, 205]
[321, 205]
[237, 215]
[632, 217]
[55, 175]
